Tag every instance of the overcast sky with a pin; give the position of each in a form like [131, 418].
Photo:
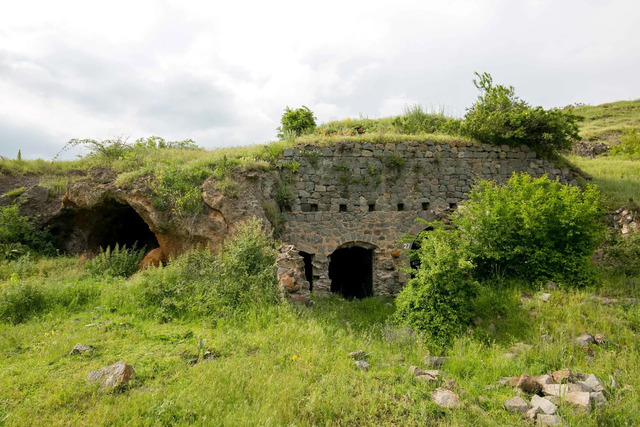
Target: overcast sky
[221, 72]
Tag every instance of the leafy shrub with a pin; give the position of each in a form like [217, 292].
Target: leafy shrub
[534, 229]
[500, 117]
[17, 234]
[19, 300]
[240, 275]
[179, 189]
[629, 143]
[116, 261]
[283, 195]
[299, 122]
[438, 301]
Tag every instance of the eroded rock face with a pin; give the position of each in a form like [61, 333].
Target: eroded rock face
[291, 274]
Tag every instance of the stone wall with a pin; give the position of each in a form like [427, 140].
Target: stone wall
[370, 195]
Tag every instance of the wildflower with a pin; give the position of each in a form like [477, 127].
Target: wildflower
[294, 357]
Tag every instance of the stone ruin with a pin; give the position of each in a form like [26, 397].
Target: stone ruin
[349, 207]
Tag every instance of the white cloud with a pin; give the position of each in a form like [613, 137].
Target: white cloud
[222, 72]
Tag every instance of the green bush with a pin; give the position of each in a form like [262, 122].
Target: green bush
[297, 122]
[621, 254]
[240, 275]
[535, 229]
[629, 143]
[17, 235]
[500, 117]
[117, 261]
[438, 301]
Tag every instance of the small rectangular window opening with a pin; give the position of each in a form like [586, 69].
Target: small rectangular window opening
[400, 206]
[425, 206]
[453, 205]
[343, 208]
[314, 207]
[372, 207]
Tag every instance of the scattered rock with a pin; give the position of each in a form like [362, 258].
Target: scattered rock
[528, 384]
[584, 339]
[445, 398]
[544, 379]
[435, 361]
[598, 338]
[433, 372]
[605, 300]
[544, 420]
[555, 389]
[450, 385]
[597, 399]
[425, 378]
[116, 375]
[551, 286]
[579, 376]
[362, 365]
[562, 375]
[578, 398]
[80, 348]
[545, 405]
[358, 355]
[580, 386]
[516, 404]
[593, 382]
[531, 414]
[544, 297]
[415, 371]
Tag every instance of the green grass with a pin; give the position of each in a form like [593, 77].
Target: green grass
[617, 178]
[288, 365]
[605, 123]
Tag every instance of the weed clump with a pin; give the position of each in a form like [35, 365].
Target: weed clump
[118, 261]
[18, 236]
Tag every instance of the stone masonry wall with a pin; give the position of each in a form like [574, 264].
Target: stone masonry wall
[369, 195]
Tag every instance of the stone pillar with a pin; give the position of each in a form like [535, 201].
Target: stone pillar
[291, 279]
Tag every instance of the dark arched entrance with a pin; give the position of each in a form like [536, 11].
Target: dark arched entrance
[351, 272]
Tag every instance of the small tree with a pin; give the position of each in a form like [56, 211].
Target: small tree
[500, 117]
[296, 122]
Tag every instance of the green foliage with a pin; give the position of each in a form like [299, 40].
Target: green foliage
[629, 143]
[179, 187]
[299, 122]
[57, 185]
[15, 193]
[228, 187]
[275, 217]
[621, 254]
[119, 148]
[500, 117]
[438, 301]
[312, 157]
[535, 229]
[239, 276]
[292, 166]
[17, 230]
[159, 142]
[416, 121]
[117, 261]
[395, 162]
[283, 195]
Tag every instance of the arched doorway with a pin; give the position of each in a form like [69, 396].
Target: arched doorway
[351, 271]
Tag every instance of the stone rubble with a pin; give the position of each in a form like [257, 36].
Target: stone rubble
[113, 376]
[80, 348]
[362, 365]
[445, 398]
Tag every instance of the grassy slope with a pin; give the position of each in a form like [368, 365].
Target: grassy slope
[605, 123]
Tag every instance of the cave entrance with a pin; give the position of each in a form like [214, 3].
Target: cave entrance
[351, 272]
[308, 267]
[115, 223]
[87, 230]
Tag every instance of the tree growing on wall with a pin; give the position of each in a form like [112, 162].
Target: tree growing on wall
[500, 117]
[296, 122]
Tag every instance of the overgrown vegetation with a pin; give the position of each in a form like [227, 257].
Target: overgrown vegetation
[117, 261]
[18, 236]
[500, 117]
[296, 122]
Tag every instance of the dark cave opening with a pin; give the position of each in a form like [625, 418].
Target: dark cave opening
[351, 272]
[111, 223]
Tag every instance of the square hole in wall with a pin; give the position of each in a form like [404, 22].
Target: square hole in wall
[313, 207]
[453, 205]
[400, 207]
[425, 206]
[372, 207]
[343, 208]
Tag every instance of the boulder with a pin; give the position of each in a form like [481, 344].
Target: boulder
[593, 382]
[532, 413]
[358, 355]
[597, 399]
[80, 348]
[516, 404]
[113, 376]
[562, 376]
[598, 338]
[445, 398]
[545, 405]
[580, 399]
[584, 340]
[155, 258]
[555, 389]
[362, 365]
[415, 371]
[544, 379]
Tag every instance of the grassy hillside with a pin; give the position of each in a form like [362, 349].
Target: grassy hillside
[605, 123]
